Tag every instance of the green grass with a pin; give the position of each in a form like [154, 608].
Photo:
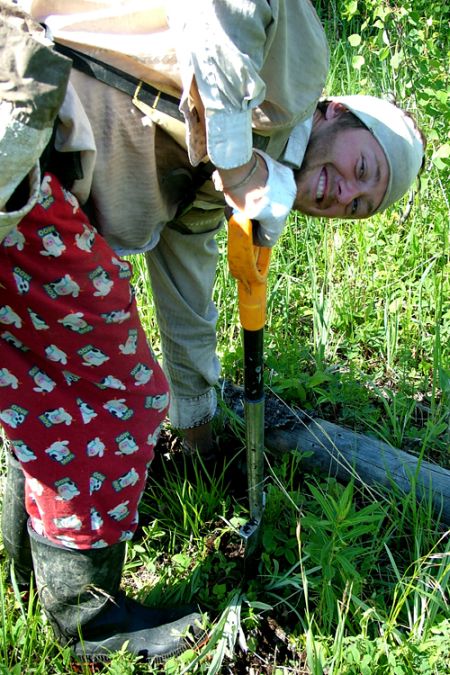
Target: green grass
[358, 331]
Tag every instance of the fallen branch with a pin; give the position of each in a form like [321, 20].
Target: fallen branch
[343, 453]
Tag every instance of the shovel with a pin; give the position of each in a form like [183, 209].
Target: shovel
[249, 264]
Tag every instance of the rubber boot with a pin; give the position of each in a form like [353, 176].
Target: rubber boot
[14, 524]
[79, 592]
[199, 440]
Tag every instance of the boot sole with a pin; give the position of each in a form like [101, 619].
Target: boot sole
[92, 654]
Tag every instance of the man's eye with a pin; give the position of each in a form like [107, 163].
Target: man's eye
[355, 204]
[362, 168]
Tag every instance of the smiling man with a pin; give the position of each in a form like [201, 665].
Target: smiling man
[363, 155]
[345, 173]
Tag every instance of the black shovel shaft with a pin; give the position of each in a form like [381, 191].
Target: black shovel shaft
[253, 341]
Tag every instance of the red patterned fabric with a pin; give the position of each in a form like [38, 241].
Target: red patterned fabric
[81, 394]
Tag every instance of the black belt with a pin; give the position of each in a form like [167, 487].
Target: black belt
[123, 81]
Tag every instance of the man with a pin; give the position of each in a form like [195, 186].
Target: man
[248, 77]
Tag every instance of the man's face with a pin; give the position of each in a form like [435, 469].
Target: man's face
[344, 173]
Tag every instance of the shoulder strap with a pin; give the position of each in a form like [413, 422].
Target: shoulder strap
[123, 81]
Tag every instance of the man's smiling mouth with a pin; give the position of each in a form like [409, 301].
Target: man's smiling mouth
[321, 186]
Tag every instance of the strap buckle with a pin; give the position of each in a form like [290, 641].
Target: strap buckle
[137, 91]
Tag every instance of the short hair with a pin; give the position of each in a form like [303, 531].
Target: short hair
[347, 120]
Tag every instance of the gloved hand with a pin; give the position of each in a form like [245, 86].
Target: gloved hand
[270, 205]
[275, 204]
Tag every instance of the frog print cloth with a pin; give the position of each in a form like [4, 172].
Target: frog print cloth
[82, 397]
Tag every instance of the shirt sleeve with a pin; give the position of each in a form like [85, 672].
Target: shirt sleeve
[221, 45]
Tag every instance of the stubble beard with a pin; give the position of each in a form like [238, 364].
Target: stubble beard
[316, 156]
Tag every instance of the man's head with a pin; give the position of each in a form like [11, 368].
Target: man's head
[363, 155]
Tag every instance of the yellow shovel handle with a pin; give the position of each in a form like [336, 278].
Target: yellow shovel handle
[249, 264]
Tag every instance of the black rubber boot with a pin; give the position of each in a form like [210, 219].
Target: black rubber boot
[14, 524]
[79, 591]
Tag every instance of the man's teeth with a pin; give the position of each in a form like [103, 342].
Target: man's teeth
[321, 187]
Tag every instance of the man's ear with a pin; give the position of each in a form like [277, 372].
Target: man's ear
[334, 109]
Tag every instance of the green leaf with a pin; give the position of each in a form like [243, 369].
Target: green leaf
[318, 378]
[441, 156]
[442, 96]
[442, 152]
[220, 590]
[181, 561]
[441, 164]
[352, 8]
[358, 62]
[256, 604]
[396, 60]
[355, 40]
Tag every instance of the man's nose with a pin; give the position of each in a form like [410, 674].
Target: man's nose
[347, 191]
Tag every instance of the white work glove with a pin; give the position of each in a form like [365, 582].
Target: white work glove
[273, 204]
